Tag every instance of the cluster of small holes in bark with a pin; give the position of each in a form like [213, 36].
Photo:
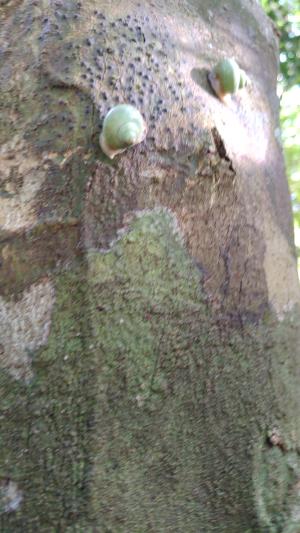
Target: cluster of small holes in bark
[125, 42]
[125, 60]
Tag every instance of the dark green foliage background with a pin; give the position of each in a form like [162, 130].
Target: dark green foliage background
[286, 15]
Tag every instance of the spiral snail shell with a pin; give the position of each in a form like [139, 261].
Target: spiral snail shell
[227, 78]
[123, 127]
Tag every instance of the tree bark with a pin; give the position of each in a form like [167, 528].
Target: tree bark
[150, 303]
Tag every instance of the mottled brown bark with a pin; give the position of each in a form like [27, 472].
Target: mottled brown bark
[149, 305]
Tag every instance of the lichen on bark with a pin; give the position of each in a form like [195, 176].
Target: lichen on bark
[166, 394]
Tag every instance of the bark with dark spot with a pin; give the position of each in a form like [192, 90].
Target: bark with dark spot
[149, 305]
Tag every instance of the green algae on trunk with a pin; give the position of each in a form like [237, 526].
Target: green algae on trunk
[162, 391]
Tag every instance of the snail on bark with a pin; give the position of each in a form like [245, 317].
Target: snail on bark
[123, 127]
[227, 78]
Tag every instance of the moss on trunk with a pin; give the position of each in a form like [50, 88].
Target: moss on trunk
[149, 373]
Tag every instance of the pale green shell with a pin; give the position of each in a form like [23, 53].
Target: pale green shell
[123, 126]
[228, 73]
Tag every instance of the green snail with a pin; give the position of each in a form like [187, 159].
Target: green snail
[227, 78]
[123, 127]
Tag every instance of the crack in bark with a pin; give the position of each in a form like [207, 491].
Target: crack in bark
[220, 147]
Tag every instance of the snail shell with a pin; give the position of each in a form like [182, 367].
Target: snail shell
[227, 78]
[123, 127]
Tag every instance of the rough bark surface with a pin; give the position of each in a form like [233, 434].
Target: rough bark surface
[149, 305]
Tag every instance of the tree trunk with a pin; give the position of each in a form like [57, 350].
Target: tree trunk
[150, 303]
